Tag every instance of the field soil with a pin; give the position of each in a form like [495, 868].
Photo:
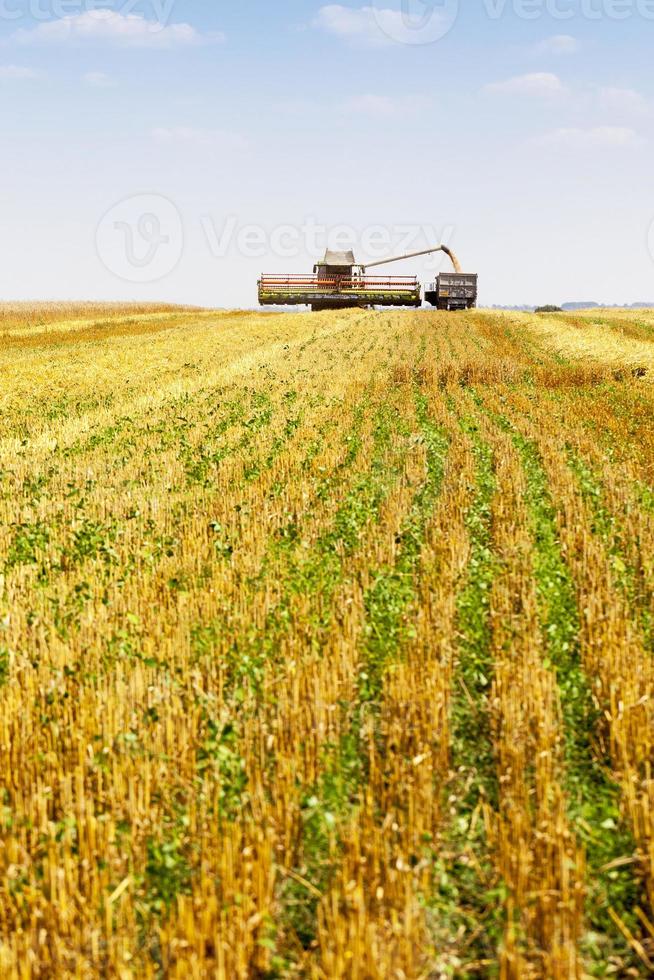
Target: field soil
[326, 644]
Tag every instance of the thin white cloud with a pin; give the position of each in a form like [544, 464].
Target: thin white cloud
[367, 27]
[558, 44]
[99, 79]
[374, 26]
[386, 106]
[598, 137]
[538, 83]
[17, 72]
[625, 101]
[112, 27]
[190, 136]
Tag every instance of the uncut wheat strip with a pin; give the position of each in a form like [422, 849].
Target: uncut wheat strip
[612, 650]
[50, 331]
[40, 315]
[627, 315]
[633, 326]
[537, 854]
[509, 339]
[514, 355]
[591, 344]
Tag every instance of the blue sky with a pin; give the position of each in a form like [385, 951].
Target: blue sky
[174, 150]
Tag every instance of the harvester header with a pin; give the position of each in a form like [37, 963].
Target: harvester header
[339, 282]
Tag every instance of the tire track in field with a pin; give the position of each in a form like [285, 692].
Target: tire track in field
[296, 716]
[536, 852]
[465, 919]
[371, 908]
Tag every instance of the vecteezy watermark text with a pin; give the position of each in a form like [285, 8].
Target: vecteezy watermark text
[312, 238]
[419, 22]
[157, 12]
[569, 9]
[141, 239]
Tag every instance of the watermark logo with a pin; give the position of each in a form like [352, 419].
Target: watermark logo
[650, 240]
[417, 22]
[141, 239]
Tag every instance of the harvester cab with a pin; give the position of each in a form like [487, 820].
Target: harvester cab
[336, 264]
[339, 282]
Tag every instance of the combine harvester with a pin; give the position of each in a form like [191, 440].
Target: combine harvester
[339, 282]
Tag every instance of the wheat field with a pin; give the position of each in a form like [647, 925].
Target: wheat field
[326, 644]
